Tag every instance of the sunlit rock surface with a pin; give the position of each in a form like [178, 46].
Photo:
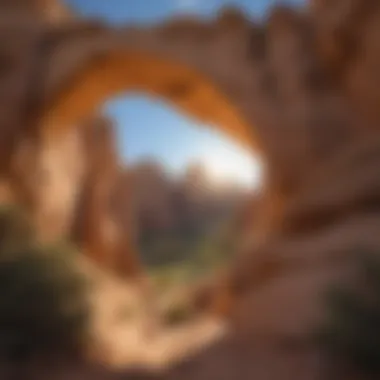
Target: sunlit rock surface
[302, 88]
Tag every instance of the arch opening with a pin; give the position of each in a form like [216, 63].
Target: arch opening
[185, 205]
[145, 123]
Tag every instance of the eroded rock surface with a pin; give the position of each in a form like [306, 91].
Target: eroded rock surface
[303, 87]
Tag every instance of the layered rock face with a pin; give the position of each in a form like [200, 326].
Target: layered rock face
[102, 223]
[51, 10]
[127, 261]
[323, 77]
[74, 192]
[308, 85]
[58, 179]
[94, 228]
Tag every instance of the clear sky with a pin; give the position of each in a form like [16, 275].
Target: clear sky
[150, 127]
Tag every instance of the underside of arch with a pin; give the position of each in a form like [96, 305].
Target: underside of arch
[118, 72]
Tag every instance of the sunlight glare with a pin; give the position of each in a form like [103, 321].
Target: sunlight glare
[227, 164]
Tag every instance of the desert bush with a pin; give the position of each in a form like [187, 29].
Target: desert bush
[43, 303]
[15, 230]
[177, 313]
[350, 334]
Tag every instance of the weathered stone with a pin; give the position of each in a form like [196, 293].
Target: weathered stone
[303, 88]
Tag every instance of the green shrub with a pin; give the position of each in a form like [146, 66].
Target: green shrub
[15, 230]
[350, 334]
[43, 303]
[177, 314]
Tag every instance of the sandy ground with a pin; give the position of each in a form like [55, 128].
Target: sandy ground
[130, 334]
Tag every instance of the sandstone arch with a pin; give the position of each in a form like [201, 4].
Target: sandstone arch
[206, 68]
[212, 70]
[120, 72]
[201, 67]
[301, 261]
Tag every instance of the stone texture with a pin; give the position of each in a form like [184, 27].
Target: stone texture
[95, 230]
[302, 88]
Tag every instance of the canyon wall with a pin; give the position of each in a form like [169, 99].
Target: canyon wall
[75, 194]
[305, 85]
[66, 179]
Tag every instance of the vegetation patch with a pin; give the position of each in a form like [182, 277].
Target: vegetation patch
[177, 313]
[44, 309]
[350, 334]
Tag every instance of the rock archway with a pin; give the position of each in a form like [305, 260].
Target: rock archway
[219, 71]
[204, 68]
[208, 68]
[208, 81]
[119, 72]
[303, 86]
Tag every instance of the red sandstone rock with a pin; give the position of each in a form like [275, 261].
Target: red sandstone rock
[306, 93]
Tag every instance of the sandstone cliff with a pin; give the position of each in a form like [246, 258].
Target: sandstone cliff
[307, 83]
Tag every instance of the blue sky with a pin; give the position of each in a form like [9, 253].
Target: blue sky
[150, 127]
[148, 11]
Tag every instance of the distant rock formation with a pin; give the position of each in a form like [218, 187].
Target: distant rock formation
[164, 203]
[150, 189]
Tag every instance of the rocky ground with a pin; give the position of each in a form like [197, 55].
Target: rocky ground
[130, 333]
